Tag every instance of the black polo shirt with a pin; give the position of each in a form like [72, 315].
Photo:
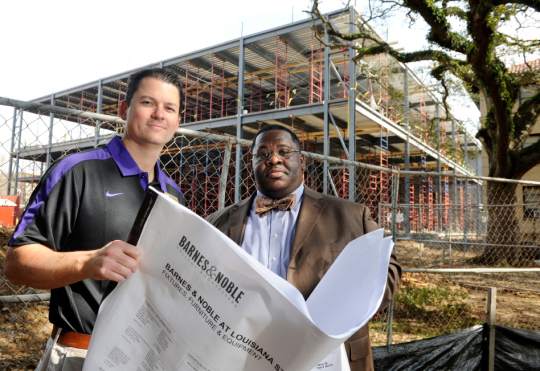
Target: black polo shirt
[83, 202]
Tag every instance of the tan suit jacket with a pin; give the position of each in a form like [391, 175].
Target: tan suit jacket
[325, 225]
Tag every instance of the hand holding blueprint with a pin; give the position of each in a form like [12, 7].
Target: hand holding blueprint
[200, 303]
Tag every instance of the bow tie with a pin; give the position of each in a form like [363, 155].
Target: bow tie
[265, 204]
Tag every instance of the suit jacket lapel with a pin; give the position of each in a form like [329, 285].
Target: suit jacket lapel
[310, 211]
[238, 220]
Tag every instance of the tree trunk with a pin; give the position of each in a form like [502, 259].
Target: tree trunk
[503, 239]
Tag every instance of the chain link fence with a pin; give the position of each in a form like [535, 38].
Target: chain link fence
[431, 304]
[440, 221]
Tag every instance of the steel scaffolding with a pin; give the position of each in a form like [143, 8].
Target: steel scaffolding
[376, 111]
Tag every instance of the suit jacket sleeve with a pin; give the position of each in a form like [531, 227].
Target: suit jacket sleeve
[212, 218]
[220, 219]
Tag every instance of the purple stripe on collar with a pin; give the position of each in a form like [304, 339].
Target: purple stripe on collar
[128, 166]
[52, 178]
[122, 158]
[164, 179]
[115, 149]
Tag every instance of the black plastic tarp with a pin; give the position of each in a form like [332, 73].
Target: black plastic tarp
[516, 349]
[464, 350]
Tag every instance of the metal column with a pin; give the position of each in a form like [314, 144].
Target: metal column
[453, 206]
[491, 321]
[479, 195]
[51, 128]
[438, 185]
[18, 151]
[240, 113]
[352, 110]
[326, 96]
[224, 176]
[466, 184]
[407, 159]
[99, 109]
[12, 149]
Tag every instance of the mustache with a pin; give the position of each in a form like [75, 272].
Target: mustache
[274, 168]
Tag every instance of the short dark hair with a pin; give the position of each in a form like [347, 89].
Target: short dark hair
[156, 73]
[266, 128]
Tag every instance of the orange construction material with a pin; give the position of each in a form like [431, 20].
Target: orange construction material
[9, 209]
[461, 208]
[431, 205]
[316, 77]
[281, 75]
[446, 201]
[413, 214]
[383, 162]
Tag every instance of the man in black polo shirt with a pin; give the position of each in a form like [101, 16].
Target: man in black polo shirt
[71, 236]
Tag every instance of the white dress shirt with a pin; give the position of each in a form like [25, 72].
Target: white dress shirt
[268, 237]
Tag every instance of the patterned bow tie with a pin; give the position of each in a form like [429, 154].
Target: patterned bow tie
[265, 204]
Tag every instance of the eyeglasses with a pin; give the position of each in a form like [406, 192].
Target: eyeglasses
[283, 153]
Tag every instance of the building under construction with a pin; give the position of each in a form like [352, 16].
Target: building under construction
[373, 111]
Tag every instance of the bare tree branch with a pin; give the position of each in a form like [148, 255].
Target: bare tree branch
[512, 41]
[456, 12]
[441, 31]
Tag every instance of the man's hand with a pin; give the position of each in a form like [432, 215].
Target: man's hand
[40, 267]
[116, 261]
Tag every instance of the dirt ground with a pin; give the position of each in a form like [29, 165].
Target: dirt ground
[428, 305]
[24, 330]
[431, 304]
[24, 327]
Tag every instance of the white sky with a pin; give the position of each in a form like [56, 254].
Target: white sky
[53, 45]
[48, 46]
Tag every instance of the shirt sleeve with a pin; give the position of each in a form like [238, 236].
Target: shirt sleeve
[51, 212]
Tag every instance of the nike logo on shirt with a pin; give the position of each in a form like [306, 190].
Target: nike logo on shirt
[109, 194]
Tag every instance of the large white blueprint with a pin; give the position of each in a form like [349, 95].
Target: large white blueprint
[200, 303]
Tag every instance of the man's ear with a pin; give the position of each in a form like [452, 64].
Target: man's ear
[122, 110]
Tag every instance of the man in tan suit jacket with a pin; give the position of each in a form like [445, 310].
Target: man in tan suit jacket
[310, 231]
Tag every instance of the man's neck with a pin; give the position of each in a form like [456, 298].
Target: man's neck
[144, 156]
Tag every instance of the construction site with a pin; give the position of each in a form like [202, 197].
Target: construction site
[371, 131]
[375, 111]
